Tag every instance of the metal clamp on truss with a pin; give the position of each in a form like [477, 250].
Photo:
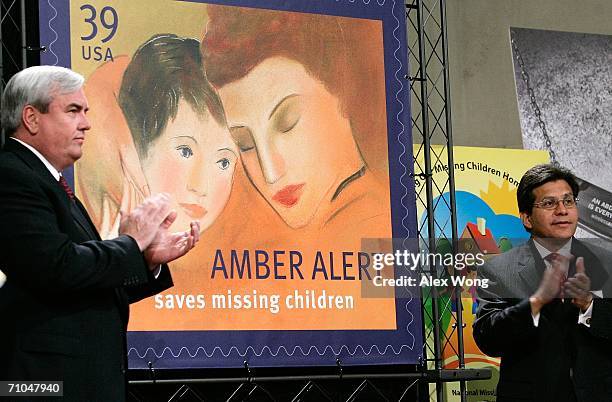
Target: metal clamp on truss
[463, 374]
[249, 373]
[421, 175]
[41, 49]
[152, 373]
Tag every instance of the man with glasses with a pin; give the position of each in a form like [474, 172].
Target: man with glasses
[544, 312]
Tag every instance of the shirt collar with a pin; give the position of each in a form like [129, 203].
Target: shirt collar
[564, 251]
[44, 160]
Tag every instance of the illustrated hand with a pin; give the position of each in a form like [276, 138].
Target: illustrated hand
[578, 287]
[131, 197]
[100, 180]
[167, 247]
[144, 222]
[134, 178]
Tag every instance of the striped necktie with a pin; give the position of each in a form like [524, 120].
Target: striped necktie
[64, 184]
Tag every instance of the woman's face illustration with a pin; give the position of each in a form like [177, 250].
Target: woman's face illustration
[293, 138]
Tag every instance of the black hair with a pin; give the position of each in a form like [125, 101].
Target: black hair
[537, 176]
[164, 70]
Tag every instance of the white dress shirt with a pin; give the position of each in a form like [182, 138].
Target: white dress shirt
[44, 160]
[56, 175]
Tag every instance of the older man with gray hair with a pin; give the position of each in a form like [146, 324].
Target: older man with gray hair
[65, 302]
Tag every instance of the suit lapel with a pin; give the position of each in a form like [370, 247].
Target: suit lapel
[87, 220]
[530, 267]
[77, 211]
[39, 168]
[79, 217]
[30, 160]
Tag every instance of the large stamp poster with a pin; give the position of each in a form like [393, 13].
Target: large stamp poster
[283, 127]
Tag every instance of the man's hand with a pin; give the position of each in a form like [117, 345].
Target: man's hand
[167, 247]
[144, 222]
[549, 288]
[578, 287]
[551, 283]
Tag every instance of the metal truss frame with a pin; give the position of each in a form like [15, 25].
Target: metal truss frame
[18, 31]
[431, 124]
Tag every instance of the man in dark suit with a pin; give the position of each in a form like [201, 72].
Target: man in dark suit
[546, 311]
[64, 306]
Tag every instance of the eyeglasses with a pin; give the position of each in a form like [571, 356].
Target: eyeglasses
[549, 203]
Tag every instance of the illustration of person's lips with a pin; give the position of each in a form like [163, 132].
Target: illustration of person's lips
[195, 211]
[289, 195]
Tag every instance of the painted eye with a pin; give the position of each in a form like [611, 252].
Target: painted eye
[185, 151]
[288, 123]
[245, 148]
[243, 138]
[223, 163]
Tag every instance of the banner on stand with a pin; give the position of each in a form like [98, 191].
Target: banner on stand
[284, 128]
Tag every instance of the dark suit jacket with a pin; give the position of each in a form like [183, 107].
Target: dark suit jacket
[537, 362]
[64, 307]
[593, 345]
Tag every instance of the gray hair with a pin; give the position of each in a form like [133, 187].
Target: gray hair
[35, 86]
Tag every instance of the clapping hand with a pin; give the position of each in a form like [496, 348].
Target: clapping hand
[143, 223]
[550, 285]
[578, 287]
[166, 246]
[148, 225]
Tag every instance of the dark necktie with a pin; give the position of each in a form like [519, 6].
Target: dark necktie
[77, 215]
[66, 187]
